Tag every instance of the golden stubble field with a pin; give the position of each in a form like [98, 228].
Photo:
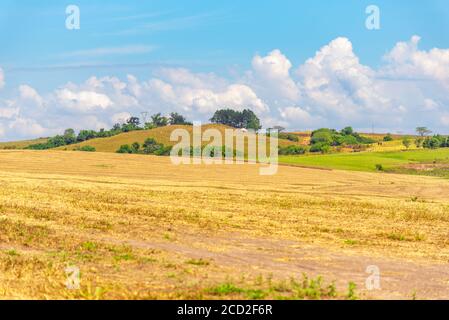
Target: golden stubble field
[138, 227]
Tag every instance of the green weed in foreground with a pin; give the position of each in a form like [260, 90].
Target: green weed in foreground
[351, 291]
[198, 262]
[293, 289]
[225, 289]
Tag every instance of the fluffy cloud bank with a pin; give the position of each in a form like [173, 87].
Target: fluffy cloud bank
[332, 88]
[407, 61]
[2, 78]
[271, 76]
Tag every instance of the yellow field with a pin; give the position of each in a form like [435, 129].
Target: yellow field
[395, 145]
[140, 227]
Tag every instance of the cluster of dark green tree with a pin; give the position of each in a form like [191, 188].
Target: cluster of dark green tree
[157, 120]
[292, 150]
[86, 149]
[132, 124]
[211, 151]
[245, 119]
[423, 140]
[323, 139]
[150, 146]
[435, 142]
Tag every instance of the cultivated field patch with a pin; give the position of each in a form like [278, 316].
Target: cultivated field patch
[138, 227]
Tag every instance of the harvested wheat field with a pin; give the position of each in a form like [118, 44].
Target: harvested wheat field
[140, 227]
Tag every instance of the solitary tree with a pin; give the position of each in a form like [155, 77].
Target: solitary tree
[176, 118]
[419, 142]
[347, 131]
[134, 121]
[158, 120]
[279, 128]
[250, 120]
[69, 136]
[135, 147]
[131, 124]
[388, 137]
[84, 135]
[406, 142]
[423, 131]
[244, 119]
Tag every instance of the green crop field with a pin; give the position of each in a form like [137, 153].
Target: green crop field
[367, 161]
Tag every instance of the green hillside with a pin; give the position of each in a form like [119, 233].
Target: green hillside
[161, 135]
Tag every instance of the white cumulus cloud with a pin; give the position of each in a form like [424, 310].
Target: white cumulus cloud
[29, 93]
[120, 117]
[407, 61]
[332, 88]
[24, 127]
[83, 101]
[272, 74]
[2, 78]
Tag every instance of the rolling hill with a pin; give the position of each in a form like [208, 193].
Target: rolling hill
[21, 144]
[161, 135]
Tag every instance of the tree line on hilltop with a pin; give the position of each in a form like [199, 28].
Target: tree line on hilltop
[424, 139]
[237, 119]
[322, 140]
[132, 124]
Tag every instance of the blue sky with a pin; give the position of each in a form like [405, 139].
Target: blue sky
[140, 38]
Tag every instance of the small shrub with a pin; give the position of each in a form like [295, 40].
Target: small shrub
[320, 147]
[125, 149]
[379, 167]
[151, 146]
[198, 262]
[288, 136]
[226, 288]
[12, 252]
[348, 140]
[406, 142]
[419, 142]
[87, 149]
[135, 147]
[351, 291]
[89, 246]
[163, 151]
[292, 150]
[255, 294]
[396, 237]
